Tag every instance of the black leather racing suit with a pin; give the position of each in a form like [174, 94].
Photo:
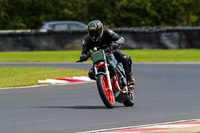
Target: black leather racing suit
[112, 40]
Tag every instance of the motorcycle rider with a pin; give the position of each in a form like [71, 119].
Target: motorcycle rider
[109, 40]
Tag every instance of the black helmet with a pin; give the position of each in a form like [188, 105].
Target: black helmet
[95, 30]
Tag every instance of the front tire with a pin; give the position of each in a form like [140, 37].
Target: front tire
[105, 93]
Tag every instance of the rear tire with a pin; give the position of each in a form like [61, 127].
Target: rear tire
[106, 95]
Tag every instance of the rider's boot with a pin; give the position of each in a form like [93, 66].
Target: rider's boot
[130, 78]
[128, 71]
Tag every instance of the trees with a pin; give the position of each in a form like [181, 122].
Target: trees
[159, 12]
[31, 14]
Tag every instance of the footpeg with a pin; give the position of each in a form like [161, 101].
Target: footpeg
[132, 86]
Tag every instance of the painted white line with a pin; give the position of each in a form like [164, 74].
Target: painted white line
[33, 86]
[53, 81]
[66, 80]
[21, 87]
[139, 126]
[172, 126]
[86, 78]
[185, 63]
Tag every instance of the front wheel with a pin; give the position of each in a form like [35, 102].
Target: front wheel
[105, 93]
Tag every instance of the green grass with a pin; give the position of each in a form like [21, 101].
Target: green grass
[189, 55]
[40, 56]
[72, 56]
[24, 76]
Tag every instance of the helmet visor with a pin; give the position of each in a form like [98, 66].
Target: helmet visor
[94, 34]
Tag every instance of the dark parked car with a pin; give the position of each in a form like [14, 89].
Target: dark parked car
[63, 25]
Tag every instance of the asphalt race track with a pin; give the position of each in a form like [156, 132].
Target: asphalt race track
[164, 92]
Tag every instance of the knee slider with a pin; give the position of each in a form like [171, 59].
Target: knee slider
[127, 59]
[91, 74]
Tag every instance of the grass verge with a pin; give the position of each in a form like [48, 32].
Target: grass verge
[181, 55]
[185, 55]
[25, 76]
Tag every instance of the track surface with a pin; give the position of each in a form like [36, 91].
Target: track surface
[164, 93]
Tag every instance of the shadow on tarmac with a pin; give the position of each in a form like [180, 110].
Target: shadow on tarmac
[75, 107]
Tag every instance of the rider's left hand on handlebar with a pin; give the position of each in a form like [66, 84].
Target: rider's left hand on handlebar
[83, 57]
[79, 61]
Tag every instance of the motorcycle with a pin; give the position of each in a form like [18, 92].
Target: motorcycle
[111, 79]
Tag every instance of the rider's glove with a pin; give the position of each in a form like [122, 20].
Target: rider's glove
[83, 57]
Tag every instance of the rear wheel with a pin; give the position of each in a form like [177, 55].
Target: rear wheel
[105, 93]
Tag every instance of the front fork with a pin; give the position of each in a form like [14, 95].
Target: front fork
[107, 75]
